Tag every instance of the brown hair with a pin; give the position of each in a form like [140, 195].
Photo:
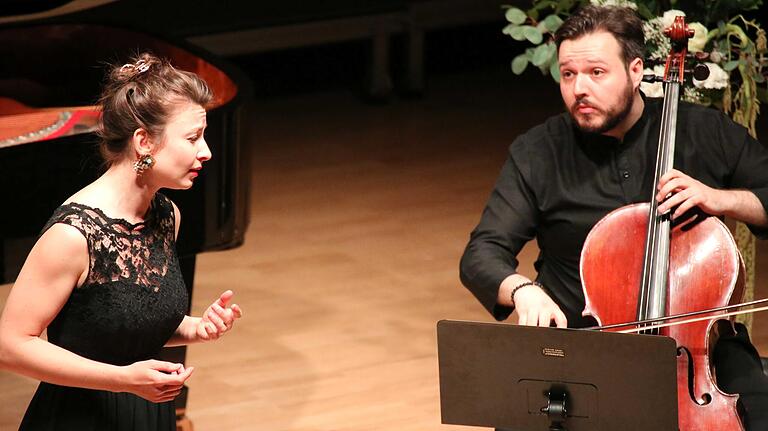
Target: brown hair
[141, 94]
[622, 22]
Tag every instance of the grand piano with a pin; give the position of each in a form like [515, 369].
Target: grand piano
[49, 81]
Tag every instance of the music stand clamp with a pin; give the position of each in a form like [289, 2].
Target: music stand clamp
[555, 408]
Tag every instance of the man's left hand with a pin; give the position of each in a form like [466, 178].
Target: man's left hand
[685, 193]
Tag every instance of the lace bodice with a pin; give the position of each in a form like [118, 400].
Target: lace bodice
[134, 297]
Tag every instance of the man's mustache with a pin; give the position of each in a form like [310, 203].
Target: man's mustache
[583, 104]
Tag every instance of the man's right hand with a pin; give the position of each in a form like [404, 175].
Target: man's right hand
[534, 307]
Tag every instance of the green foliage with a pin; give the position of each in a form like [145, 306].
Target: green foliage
[515, 16]
[733, 64]
[522, 27]
[707, 12]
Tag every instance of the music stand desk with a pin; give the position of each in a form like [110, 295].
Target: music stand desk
[500, 375]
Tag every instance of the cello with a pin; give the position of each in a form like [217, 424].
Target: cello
[684, 267]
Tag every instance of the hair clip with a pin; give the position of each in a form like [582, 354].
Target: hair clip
[140, 66]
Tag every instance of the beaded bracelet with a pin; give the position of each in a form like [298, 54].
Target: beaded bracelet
[521, 285]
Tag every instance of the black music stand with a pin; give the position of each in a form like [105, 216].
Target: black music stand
[526, 378]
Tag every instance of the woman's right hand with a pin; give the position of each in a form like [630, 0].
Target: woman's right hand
[155, 381]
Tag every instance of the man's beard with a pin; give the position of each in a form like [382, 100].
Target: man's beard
[613, 117]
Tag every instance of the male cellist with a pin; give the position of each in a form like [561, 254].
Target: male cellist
[564, 175]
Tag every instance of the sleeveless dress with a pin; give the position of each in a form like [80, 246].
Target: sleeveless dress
[132, 301]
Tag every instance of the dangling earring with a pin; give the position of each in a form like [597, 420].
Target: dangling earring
[143, 163]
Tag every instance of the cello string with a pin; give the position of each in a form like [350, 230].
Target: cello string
[655, 267]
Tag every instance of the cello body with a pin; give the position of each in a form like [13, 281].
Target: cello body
[705, 271]
[637, 264]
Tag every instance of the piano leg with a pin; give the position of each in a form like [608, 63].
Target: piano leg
[179, 354]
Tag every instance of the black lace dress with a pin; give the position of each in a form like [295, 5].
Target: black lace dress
[129, 306]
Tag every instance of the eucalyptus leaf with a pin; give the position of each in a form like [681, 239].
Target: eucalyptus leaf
[759, 78]
[552, 22]
[733, 64]
[540, 55]
[552, 50]
[515, 15]
[533, 34]
[554, 70]
[519, 64]
[516, 32]
[721, 27]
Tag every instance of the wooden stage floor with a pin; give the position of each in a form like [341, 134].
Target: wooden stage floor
[359, 216]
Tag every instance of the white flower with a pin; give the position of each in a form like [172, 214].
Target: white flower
[656, 89]
[693, 95]
[669, 17]
[699, 39]
[718, 78]
[657, 42]
[651, 27]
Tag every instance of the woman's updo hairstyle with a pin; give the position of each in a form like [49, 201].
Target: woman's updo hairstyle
[141, 94]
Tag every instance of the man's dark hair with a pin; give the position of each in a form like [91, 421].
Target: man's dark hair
[622, 22]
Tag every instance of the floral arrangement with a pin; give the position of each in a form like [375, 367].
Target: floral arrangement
[733, 47]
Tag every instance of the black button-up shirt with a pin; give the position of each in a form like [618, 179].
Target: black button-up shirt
[558, 182]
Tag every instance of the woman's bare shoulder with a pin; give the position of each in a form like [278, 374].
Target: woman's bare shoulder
[64, 237]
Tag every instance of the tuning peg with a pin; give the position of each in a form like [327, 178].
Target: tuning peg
[698, 56]
[701, 72]
[650, 77]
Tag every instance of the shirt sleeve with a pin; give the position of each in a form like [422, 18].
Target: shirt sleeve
[507, 223]
[750, 170]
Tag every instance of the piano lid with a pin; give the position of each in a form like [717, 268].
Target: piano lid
[28, 10]
[48, 88]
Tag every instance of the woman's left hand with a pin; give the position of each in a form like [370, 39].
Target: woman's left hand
[218, 318]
